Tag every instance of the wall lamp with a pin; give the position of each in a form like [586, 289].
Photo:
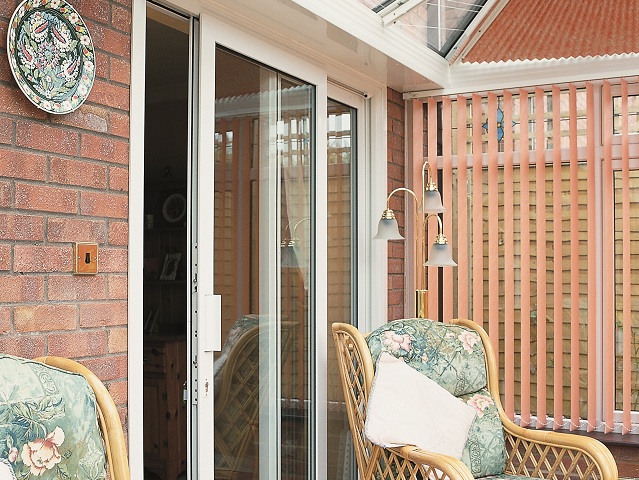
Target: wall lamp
[440, 254]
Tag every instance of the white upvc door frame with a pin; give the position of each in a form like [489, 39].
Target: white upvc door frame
[371, 183]
[214, 32]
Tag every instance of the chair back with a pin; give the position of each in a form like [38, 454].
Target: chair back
[356, 372]
[108, 417]
[238, 399]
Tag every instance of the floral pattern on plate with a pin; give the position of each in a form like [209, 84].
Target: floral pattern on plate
[51, 54]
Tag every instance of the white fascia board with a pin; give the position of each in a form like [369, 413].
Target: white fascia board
[466, 78]
[366, 26]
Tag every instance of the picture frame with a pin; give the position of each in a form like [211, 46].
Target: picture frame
[170, 267]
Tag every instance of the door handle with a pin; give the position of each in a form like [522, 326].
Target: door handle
[211, 323]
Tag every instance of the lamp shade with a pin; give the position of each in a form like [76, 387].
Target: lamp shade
[433, 202]
[388, 230]
[440, 256]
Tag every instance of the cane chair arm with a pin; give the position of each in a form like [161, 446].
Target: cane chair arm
[543, 453]
[433, 466]
[556, 456]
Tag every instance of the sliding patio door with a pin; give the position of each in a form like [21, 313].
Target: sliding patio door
[256, 223]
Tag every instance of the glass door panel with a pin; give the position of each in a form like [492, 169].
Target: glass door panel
[262, 270]
[342, 156]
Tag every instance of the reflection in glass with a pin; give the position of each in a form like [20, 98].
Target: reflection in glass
[342, 240]
[263, 171]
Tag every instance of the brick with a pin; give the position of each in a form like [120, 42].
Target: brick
[7, 8]
[5, 73]
[125, 3]
[104, 205]
[397, 127]
[13, 101]
[97, 10]
[76, 230]
[103, 314]
[21, 227]
[88, 117]
[6, 131]
[120, 18]
[110, 95]
[111, 367]
[4, 26]
[78, 287]
[5, 194]
[395, 142]
[21, 164]
[77, 343]
[119, 124]
[5, 257]
[395, 111]
[43, 318]
[5, 320]
[78, 172]
[118, 287]
[119, 179]
[120, 71]
[119, 392]
[25, 346]
[105, 149]
[21, 288]
[40, 258]
[118, 233]
[118, 340]
[113, 260]
[45, 198]
[111, 40]
[101, 68]
[48, 138]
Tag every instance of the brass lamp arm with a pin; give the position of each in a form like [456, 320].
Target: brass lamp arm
[440, 239]
[402, 189]
[428, 183]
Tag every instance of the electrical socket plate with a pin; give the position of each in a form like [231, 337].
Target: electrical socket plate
[85, 258]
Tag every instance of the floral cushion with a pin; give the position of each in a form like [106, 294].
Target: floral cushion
[452, 356]
[48, 423]
[485, 449]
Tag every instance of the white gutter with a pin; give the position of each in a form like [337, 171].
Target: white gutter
[466, 78]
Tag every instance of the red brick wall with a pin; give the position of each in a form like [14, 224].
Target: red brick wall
[64, 179]
[396, 178]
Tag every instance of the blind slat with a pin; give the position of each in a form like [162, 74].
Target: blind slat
[575, 420]
[626, 294]
[462, 211]
[525, 260]
[509, 263]
[493, 225]
[477, 216]
[608, 261]
[593, 271]
[557, 321]
[540, 201]
[447, 177]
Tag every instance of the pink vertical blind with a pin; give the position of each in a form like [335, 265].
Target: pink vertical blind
[539, 187]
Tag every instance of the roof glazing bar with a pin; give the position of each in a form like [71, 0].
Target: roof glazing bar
[393, 11]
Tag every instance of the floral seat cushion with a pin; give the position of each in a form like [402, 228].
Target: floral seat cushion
[48, 423]
[452, 356]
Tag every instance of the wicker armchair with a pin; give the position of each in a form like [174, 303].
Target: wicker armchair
[529, 453]
[108, 417]
[237, 406]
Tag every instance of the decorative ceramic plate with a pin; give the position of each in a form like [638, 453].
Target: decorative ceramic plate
[51, 54]
[174, 208]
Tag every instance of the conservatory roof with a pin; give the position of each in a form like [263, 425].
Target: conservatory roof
[555, 29]
[439, 24]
